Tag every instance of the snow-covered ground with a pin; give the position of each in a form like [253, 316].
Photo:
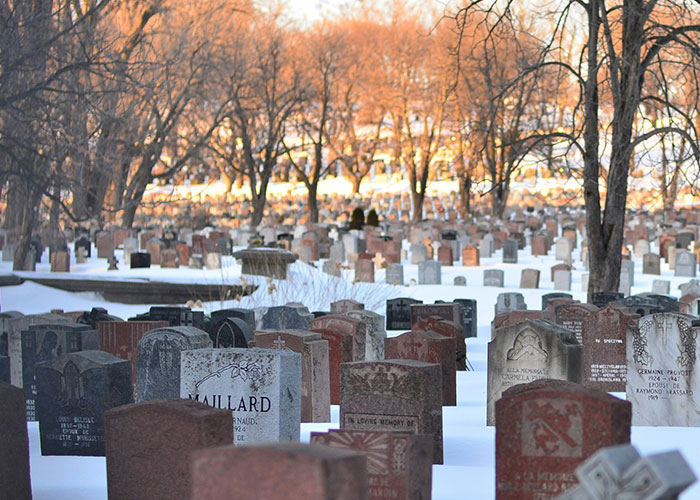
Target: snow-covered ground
[469, 457]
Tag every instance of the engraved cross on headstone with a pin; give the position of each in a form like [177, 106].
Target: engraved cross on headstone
[278, 343]
[620, 472]
[378, 260]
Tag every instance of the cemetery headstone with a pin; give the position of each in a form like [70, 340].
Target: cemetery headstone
[510, 252]
[686, 264]
[399, 464]
[507, 302]
[493, 277]
[231, 332]
[158, 362]
[394, 274]
[279, 470]
[601, 299]
[393, 395]
[148, 446]
[429, 273]
[287, 318]
[398, 313]
[661, 378]
[375, 334]
[138, 260]
[346, 305]
[651, 264]
[562, 280]
[528, 351]
[315, 379]
[74, 391]
[547, 428]
[572, 316]
[661, 287]
[15, 483]
[530, 278]
[262, 387]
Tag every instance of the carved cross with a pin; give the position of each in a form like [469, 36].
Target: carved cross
[278, 343]
[379, 261]
[620, 472]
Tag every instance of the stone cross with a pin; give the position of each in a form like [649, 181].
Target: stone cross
[379, 260]
[278, 343]
[620, 472]
[333, 234]
[435, 245]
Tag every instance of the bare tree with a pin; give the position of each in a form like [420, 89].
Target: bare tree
[624, 43]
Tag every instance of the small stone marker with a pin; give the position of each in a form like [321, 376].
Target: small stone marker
[15, 483]
[686, 264]
[661, 287]
[292, 471]
[430, 347]
[661, 381]
[493, 277]
[315, 380]
[394, 274]
[393, 395]
[651, 264]
[620, 472]
[532, 350]
[262, 387]
[398, 313]
[399, 464]
[74, 391]
[148, 446]
[545, 429]
[158, 362]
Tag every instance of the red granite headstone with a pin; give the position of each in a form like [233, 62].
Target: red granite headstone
[572, 316]
[447, 329]
[604, 337]
[539, 245]
[15, 483]
[340, 350]
[470, 256]
[513, 318]
[154, 248]
[364, 270]
[545, 429]
[148, 446]
[60, 262]
[105, 245]
[399, 464]
[393, 395]
[445, 255]
[199, 246]
[121, 338]
[184, 252]
[430, 347]
[313, 246]
[292, 471]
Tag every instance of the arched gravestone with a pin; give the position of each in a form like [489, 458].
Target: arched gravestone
[231, 332]
[74, 391]
[528, 351]
[662, 378]
[158, 362]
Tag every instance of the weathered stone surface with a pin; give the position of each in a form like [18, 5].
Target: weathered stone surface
[398, 313]
[604, 335]
[262, 387]
[662, 382]
[530, 278]
[74, 391]
[231, 332]
[270, 262]
[284, 470]
[374, 333]
[572, 316]
[148, 446]
[315, 378]
[287, 318]
[399, 464]
[545, 429]
[430, 347]
[46, 342]
[15, 483]
[493, 277]
[620, 472]
[513, 318]
[507, 302]
[429, 273]
[528, 351]
[346, 305]
[158, 362]
[393, 395]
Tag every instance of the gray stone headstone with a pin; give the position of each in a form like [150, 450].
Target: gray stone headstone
[661, 381]
[429, 273]
[527, 351]
[158, 362]
[651, 263]
[562, 249]
[662, 287]
[510, 252]
[486, 247]
[374, 333]
[231, 332]
[620, 472]
[337, 252]
[510, 301]
[686, 264]
[493, 277]
[287, 318]
[562, 280]
[460, 281]
[394, 274]
[419, 253]
[262, 387]
[332, 268]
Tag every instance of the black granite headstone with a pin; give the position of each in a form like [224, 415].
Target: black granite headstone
[176, 316]
[231, 332]
[398, 313]
[96, 314]
[287, 318]
[247, 315]
[41, 343]
[140, 260]
[601, 299]
[5, 369]
[74, 392]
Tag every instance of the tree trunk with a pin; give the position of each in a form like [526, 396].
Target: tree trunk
[465, 186]
[25, 234]
[418, 200]
[312, 203]
[356, 180]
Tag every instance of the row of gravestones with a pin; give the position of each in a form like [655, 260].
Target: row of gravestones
[548, 434]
